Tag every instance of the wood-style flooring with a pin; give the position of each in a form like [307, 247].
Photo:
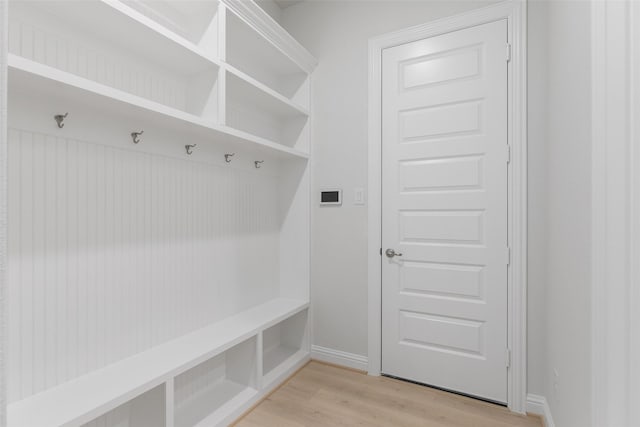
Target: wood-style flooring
[325, 395]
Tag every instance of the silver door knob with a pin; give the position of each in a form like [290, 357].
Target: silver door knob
[391, 253]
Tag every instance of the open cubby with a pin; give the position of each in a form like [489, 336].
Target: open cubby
[251, 53]
[146, 410]
[208, 392]
[283, 344]
[196, 21]
[255, 111]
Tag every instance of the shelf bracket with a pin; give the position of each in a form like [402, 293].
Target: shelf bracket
[136, 136]
[189, 148]
[59, 118]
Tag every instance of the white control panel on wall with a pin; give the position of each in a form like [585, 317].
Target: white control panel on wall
[331, 196]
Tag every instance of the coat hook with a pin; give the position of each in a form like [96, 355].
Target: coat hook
[189, 148]
[59, 118]
[258, 163]
[227, 157]
[136, 136]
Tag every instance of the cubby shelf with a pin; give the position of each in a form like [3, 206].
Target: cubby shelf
[125, 27]
[92, 395]
[226, 397]
[259, 93]
[32, 76]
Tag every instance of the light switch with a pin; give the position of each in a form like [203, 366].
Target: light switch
[358, 196]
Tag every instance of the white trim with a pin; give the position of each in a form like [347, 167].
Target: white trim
[615, 239]
[337, 357]
[538, 405]
[4, 34]
[267, 27]
[514, 11]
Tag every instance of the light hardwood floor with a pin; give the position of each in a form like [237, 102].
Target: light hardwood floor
[325, 395]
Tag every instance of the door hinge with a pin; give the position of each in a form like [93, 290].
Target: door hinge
[508, 153]
[380, 251]
[508, 255]
[508, 53]
[508, 358]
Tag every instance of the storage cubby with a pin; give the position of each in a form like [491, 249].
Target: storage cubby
[78, 41]
[256, 111]
[208, 392]
[146, 410]
[196, 21]
[282, 345]
[252, 54]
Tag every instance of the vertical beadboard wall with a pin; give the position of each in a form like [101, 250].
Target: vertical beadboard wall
[113, 251]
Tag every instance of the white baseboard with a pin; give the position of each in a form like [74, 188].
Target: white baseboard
[538, 405]
[338, 357]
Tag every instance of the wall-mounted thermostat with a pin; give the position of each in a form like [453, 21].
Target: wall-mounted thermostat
[330, 196]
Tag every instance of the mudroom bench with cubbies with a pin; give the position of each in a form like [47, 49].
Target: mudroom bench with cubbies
[158, 254]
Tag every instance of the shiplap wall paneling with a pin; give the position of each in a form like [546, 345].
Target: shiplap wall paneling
[40, 31]
[146, 410]
[114, 251]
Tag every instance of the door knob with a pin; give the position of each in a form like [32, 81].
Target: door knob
[391, 253]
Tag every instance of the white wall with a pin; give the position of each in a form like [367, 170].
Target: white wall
[538, 182]
[569, 198]
[337, 33]
[559, 179]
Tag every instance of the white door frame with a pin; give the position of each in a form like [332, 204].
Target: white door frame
[514, 11]
[615, 237]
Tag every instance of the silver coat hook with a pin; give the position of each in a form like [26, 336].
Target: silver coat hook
[136, 136]
[258, 163]
[227, 157]
[59, 118]
[189, 148]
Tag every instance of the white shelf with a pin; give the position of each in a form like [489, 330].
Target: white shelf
[226, 397]
[33, 77]
[129, 29]
[270, 58]
[89, 396]
[244, 87]
[278, 50]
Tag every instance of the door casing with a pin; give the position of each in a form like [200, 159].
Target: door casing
[514, 11]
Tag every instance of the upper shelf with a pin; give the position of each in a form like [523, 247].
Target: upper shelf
[296, 57]
[242, 86]
[123, 26]
[259, 47]
[27, 75]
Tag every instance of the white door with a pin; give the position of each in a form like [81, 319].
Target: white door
[444, 211]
